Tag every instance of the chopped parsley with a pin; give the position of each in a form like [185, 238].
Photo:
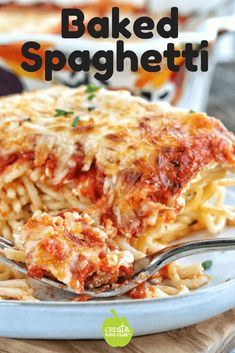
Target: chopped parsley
[192, 111]
[61, 112]
[75, 121]
[207, 264]
[90, 90]
[90, 97]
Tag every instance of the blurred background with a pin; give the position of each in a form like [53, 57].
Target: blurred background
[214, 20]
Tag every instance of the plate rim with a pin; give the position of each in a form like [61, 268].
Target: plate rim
[217, 287]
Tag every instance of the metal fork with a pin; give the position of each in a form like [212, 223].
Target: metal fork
[143, 268]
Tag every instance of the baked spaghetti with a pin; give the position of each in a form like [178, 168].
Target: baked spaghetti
[141, 174]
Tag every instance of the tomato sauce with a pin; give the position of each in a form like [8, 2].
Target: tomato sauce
[35, 271]
[138, 292]
[12, 158]
[51, 164]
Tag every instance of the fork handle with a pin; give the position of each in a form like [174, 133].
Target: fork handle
[171, 253]
[176, 252]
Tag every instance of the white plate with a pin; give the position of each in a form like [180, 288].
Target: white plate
[62, 319]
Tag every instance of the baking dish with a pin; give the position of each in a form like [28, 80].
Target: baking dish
[180, 88]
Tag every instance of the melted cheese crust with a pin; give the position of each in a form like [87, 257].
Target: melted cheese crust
[133, 158]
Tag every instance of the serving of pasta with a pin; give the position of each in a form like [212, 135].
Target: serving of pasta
[92, 179]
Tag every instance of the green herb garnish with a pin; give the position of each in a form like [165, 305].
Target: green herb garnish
[90, 109]
[75, 121]
[61, 112]
[90, 97]
[192, 111]
[207, 264]
[90, 88]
